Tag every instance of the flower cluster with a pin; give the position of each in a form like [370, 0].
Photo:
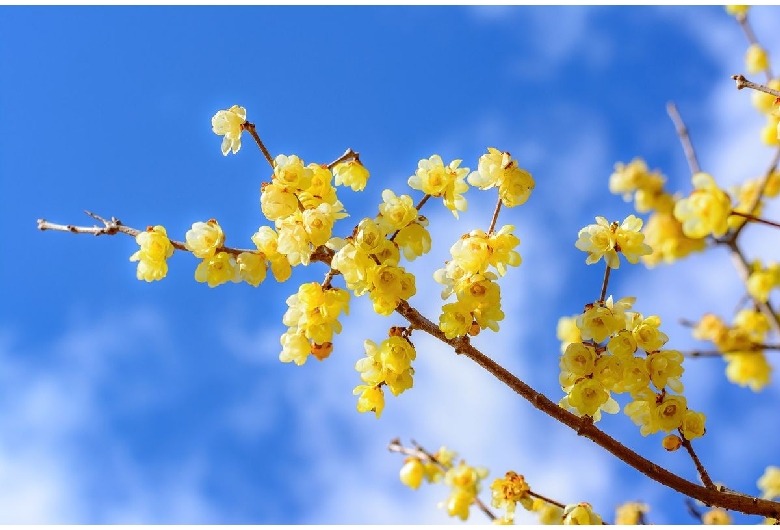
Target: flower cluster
[478, 304]
[498, 169]
[301, 202]
[750, 193]
[155, 249]
[608, 359]
[740, 345]
[417, 469]
[606, 240]
[663, 232]
[312, 319]
[387, 364]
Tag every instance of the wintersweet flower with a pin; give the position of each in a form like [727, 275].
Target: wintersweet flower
[155, 249]
[229, 123]
[581, 513]
[218, 269]
[631, 513]
[203, 239]
[769, 483]
[756, 59]
[352, 174]
[434, 178]
[606, 240]
[737, 10]
[412, 472]
[290, 174]
[706, 210]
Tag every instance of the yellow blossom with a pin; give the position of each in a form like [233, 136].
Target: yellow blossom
[290, 174]
[716, 516]
[412, 472]
[769, 483]
[581, 513]
[372, 399]
[693, 425]
[706, 210]
[631, 513]
[352, 174]
[229, 123]
[737, 10]
[756, 59]
[218, 269]
[764, 102]
[434, 178]
[155, 249]
[252, 267]
[203, 239]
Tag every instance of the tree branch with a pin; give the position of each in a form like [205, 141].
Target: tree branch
[584, 427]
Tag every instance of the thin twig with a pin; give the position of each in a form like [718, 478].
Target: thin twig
[494, 219]
[743, 269]
[761, 189]
[584, 427]
[685, 139]
[751, 37]
[546, 499]
[705, 477]
[744, 83]
[349, 154]
[695, 512]
[250, 127]
[114, 226]
[755, 219]
[604, 285]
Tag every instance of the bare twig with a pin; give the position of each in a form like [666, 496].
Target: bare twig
[494, 219]
[349, 154]
[250, 127]
[685, 139]
[114, 226]
[755, 219]
[604, 285]
[705, 478]
[744, 83]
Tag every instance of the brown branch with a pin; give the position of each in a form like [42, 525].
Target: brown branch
[604, 285]
[114, 226]
[705, 477]
[250, 127]
[685, 139]
[546, 499]
[584, 427]
[755, 219]
[494, 219]
[744, 83]
[349, 154]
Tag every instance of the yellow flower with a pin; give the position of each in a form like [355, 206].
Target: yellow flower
[763, 102]
[290, 174]
[756, 59]
[203, 239]
[581, 513]
[706, 210]
[277, 202]
[510, 490]
[737, 10]
[748, 369]
[769, 483]
[352, 174]
[229, 123]
[693, 425]
[716, 516]
[769, 132]
[434, 178]
[155, 249]
[412, 472]
[252, 268]
[372, 399]
[218, 269]
[631, 513]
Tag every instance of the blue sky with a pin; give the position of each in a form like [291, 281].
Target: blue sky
[128, 402]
